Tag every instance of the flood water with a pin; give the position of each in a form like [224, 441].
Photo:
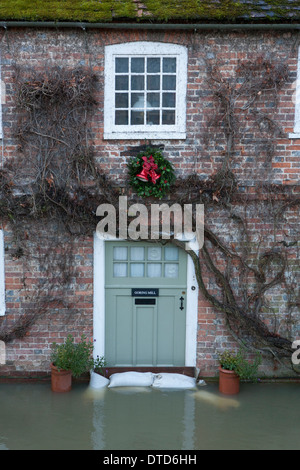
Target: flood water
[262, 416]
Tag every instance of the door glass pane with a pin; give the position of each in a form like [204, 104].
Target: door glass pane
[154, 253]
[171, 270]
[120, 269]
[137, 270]
[137, 253]
[171, 253]
[154, 270]
[120, 253]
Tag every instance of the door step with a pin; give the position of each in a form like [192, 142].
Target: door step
[189, 371]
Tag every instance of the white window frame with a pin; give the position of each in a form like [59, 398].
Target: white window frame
[145, 49]
[296, 95]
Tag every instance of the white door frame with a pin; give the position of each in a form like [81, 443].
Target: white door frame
[99, 302]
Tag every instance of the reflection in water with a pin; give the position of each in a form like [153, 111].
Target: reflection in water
[98, 434]
[142, 418]
[262, 416]
[188, 435]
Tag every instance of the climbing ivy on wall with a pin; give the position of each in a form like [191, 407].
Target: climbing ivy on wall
[64, 185]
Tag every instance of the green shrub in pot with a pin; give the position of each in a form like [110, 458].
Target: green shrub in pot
[75, 357]
[236, 361]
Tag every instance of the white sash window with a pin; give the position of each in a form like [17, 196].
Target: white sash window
[296, 99]
[145, 91]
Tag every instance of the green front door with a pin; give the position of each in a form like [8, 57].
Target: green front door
[145, 298]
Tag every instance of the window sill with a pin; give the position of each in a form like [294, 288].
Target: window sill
[144, 135]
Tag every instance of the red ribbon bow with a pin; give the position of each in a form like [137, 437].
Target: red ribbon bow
[149, 170]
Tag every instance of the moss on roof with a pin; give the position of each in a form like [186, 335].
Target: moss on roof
[220, 10]
[157, 10]
[66, 10]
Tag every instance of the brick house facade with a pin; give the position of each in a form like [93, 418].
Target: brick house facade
[39, 48]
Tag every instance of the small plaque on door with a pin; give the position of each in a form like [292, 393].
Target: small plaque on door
[144, 292]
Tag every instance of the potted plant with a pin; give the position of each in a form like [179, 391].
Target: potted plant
[235, 367]
[68, 360]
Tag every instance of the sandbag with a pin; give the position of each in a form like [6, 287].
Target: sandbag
[131, 379]
[169, 380]
[97, 381]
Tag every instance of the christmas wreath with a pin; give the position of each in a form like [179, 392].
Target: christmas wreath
[150, 173]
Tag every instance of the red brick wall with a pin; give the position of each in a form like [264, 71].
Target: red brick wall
[42, 48]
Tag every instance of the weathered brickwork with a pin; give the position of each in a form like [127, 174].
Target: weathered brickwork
[199, 153]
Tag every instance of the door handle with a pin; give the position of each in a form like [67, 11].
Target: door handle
[181, 303]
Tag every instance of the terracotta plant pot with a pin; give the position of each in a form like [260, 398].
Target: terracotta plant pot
[61, 380]
[229, 382]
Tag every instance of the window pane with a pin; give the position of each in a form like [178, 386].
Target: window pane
[153, 117]
[171, 270]
[145, 91]
[122, 82]
[120, 269]
[169, 64]
[171, 253]
[121, 118]
[153, 65]
[120, 253]
[137, 65]
[137, 270]
[137, 253]
[153, 100]
[137, 82]
[137, 117]
[168, 100]
[121, 100]
[168, 117]
[154, 253]
[121, 65]
[169, 82]
[137, 100]
[153, 82]
[154, 270]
